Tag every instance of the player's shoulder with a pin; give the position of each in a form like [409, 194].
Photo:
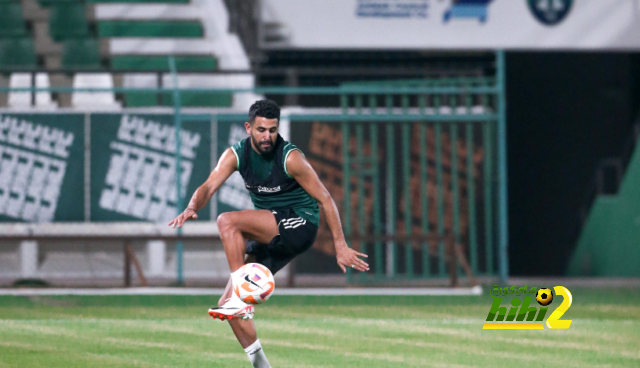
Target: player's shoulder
[286, 154]
[238, 151]
[289, 147]
[239, 146]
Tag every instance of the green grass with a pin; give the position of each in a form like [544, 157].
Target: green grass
[175, 331]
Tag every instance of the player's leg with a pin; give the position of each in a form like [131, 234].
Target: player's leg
[235, 227]
[245, 331]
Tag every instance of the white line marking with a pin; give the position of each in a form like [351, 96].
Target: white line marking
[476, 290]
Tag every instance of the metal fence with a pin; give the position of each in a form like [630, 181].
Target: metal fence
[421, 163]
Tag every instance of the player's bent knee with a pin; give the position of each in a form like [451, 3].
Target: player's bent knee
[225, 222]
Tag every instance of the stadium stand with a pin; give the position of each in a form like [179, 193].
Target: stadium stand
[142, 35]
[128, 41]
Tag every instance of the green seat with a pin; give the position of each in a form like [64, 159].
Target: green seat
[11, 20]
[81, 53]
[200, 99]
[118, 28]
[153, 63]
[17, 53]
[68, 20]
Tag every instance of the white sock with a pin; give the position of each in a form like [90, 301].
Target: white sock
[236, 275]
[256, 355]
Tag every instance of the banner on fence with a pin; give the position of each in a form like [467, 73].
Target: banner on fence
[41, 167]
[133, 166]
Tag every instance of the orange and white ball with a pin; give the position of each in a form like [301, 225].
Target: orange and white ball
[256, 284]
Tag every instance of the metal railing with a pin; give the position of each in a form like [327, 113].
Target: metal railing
[443, 110]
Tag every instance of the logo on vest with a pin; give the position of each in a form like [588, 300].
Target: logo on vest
[266, 189]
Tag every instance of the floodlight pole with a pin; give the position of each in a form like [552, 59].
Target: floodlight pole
[179, 199]
[503, 229]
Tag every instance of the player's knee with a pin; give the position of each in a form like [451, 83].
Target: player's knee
[225, 223]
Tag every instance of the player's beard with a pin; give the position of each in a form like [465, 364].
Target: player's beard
[264, 147]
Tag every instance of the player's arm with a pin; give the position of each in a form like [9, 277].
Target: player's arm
[300, 169]
[225, 167]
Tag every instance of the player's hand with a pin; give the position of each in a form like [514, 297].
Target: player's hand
[348, 257]
[187, 214]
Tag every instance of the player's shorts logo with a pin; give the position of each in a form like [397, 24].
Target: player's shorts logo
[550, 12]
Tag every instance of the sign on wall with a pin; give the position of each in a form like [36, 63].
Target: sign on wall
[133, 166]
[41, 167]
[454, 24]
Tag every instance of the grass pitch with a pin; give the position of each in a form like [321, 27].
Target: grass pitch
[318, 331]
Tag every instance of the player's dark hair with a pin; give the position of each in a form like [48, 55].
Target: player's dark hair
[265, 109]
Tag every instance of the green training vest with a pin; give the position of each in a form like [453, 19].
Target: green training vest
[270, 185]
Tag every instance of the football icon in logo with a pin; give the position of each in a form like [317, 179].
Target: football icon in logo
[544, 296]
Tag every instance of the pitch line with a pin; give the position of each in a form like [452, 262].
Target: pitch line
[476, 290]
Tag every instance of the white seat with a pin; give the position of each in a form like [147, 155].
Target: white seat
[94, 100]
[23, 99]
[140, 80]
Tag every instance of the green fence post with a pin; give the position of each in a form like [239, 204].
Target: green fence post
[391, 190]
[454, 179]
[439, 187]
[361, 177]
[376, 188]
[179, 201]
[471, 195]
[487, 149]
[406, 187]
[346, 174]
[503, 233]
[424, 187]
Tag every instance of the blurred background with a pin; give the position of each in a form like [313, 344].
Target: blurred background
[464, 141]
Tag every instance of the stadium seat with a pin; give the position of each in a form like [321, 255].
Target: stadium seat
[144, 62]
[11, 20]
[82, 53]
[23, 99]
[17, 53]
[68, 20]
[181, 29]
[94, 100]
[140, 99]
[199, 99]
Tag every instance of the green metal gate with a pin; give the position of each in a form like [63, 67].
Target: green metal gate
[430, 176]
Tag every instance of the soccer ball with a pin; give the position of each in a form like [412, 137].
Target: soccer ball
[257, 284]
[544, 296]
